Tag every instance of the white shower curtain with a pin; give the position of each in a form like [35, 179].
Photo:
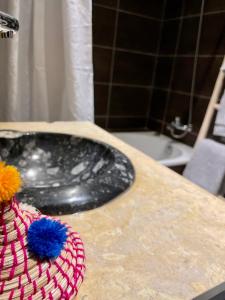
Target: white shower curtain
[46, 70]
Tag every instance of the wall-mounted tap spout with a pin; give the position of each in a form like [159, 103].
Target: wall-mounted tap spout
[179, 130]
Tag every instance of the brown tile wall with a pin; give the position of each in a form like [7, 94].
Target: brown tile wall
[185, 68]
[148, 63]
[125, 46]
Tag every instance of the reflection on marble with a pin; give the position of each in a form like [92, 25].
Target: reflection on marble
[64, 174]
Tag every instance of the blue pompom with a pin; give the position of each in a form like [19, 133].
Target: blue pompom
[46, 238]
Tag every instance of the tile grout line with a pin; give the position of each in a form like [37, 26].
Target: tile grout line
[159, 55]
[181, 92]
[124, 84]
[155, 64]
[139, 15]
[182, 17]
[193, 81]
[172, 72]
[216, 12]
[159, 88]
[127, 12]
[208, 13]
[112, 65]
[191, 55]
[123, 116]
[125, 50]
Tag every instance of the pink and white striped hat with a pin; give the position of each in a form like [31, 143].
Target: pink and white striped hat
[40, 257]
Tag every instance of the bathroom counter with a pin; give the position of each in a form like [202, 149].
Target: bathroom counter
[163, 239]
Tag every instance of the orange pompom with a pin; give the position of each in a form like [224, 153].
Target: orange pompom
[10, 182]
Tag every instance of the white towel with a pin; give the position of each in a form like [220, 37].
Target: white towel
[219, 127]
[207, 165]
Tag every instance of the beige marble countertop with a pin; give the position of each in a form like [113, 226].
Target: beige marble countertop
[163, 239]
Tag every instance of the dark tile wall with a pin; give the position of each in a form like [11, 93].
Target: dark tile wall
[151, 57]
[188, 62]
[125, 46]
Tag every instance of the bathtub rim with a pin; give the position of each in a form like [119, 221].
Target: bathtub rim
[186, 150]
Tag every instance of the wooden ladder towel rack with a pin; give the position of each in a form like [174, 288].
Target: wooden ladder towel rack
[213, 103]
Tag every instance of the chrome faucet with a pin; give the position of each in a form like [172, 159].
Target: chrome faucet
[176, 125]
[8, 25]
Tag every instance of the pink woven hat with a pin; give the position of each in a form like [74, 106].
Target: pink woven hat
[40, 257]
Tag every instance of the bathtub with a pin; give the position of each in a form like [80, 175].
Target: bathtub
[167, 151]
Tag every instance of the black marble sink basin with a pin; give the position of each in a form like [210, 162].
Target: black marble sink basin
[63, 174]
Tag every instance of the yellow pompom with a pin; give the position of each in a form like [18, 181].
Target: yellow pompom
[10, 182]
